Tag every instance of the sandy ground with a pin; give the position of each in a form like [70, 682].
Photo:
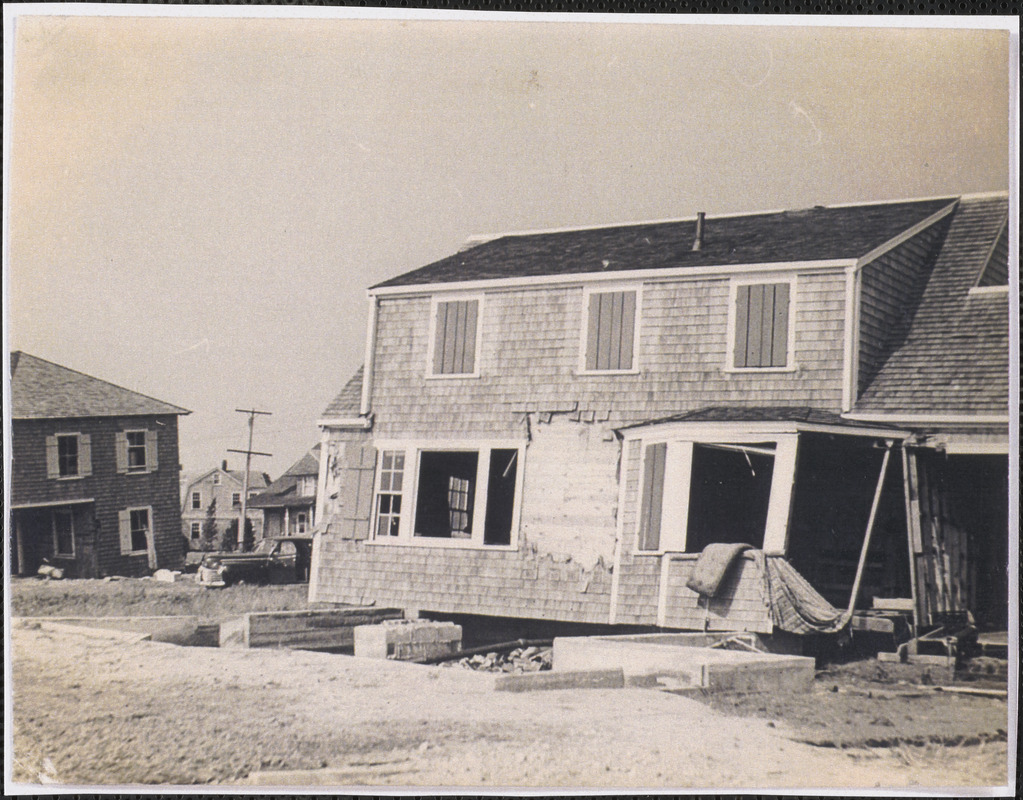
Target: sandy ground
[92, 711]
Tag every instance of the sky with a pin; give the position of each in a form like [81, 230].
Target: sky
[196, 206]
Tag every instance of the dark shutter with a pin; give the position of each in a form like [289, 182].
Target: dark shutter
[454, 350]
[611, 321]
[652, 497]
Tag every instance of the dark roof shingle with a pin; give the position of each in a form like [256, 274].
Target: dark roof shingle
[348, 402]
[812, 234]
[955, 357]
[41, 389]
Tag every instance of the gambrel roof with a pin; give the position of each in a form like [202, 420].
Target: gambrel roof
[819, 233]
[955, 356]
[346, 404]
[43, 390]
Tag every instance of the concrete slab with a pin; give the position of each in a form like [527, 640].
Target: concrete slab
[582, 679]
[684, 660]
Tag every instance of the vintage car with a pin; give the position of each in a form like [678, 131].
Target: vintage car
[278, 559]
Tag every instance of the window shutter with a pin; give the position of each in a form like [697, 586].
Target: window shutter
[780, 338]
[151, 458]
[653, 496]
[611, 320]
[121, 449]
[151, 538]
[52, 465]
[124, 528]
[84, 454]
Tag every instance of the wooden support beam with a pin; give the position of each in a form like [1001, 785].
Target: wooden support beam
[870, 529]
[912, 530]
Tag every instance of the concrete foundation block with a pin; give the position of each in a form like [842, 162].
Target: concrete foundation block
[407, 640]
[580, 679]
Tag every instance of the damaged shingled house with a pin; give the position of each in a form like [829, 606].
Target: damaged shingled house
[555, 425]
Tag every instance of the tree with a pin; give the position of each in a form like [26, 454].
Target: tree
[208, 539]
[231, 536]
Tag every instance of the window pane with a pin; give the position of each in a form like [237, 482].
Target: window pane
[500, 496]
[67, 455]
[139, 529]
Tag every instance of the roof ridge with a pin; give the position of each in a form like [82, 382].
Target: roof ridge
[484, 238]
[22, 354]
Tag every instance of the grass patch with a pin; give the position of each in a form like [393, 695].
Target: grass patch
[133, 597]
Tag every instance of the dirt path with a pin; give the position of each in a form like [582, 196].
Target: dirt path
[108, 713]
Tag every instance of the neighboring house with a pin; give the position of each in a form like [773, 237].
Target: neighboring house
[225, 487]
[289, 505]
[94, 474]
[554, 425]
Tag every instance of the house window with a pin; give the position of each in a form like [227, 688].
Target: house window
[455, 337]
[196, 531]
[236, 499]
[139, 529]
[63, 533]
[216, 479]
[300, 522]
[196, 500]
[761, 327]
[392, 473]
[696, 493]
[461, 495]
[307, 487]
[610, 331]
[136, 443]
[67, 455]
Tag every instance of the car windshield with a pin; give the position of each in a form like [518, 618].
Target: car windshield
[265, 546]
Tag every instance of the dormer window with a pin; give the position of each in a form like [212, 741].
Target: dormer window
[455, 337]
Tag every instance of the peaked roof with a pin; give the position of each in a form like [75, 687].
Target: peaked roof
[955, 356]
[41, 389]
[811, 234]
[257, 480]
[284, 491]
[348, 402]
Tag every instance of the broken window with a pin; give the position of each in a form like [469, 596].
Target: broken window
[460, 495]
[392, 471]
[611, 331]
[730, 490]
[761, 325]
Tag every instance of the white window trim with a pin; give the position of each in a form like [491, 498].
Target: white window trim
[192, 532]
[191, 501]
[53, 522]
[78, 458]
[149, 536]
[435, 301]
[237, 504]
[678, 468]
[733, 293]
[128, 469]
[410, 492]
[584, 327]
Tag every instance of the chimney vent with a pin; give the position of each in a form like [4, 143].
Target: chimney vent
[223, 465]
[698, 241]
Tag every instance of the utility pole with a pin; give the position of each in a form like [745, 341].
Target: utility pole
[249, 453]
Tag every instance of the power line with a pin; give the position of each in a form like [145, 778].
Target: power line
[249, 453]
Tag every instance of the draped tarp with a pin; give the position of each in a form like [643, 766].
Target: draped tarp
[796, 606]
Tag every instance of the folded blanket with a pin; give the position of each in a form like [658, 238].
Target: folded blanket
[712, 565]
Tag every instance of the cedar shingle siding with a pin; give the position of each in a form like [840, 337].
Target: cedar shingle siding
[557, 375]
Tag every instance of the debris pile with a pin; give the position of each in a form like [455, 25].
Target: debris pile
[517, 661]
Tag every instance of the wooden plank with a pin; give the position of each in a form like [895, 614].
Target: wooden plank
[741, 325]
[301, 629]
[604, 331]
[754, 351]
[592, 330]
[471, 324]
[458, 339]
[780, 333]
[766, 325]
[628, 330]
[614, 355]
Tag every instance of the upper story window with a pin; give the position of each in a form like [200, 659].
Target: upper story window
[455, 337]
[68, 455]
[136, 451]
[216, 479]
[236, 499]
[196, 500]
[612, 322]
[306, 486]
[136, 444]
[760, 329]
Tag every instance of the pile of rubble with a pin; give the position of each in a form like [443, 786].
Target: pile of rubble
[517, 661]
